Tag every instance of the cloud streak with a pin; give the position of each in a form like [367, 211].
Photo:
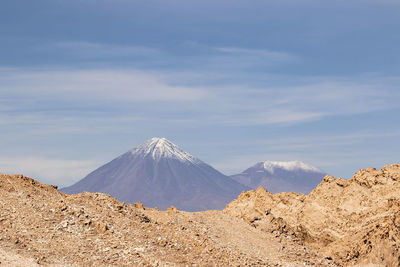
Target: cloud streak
[230, 104]
[113, 85]
[101, 50]
[242, 58]
[313, 100]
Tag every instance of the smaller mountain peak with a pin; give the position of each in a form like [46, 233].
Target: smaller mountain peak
[289, 166]
[163, 148]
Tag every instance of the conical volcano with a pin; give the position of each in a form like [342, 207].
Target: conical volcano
[160, 174]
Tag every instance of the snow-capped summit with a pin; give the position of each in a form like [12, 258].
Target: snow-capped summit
[160, 174]
[282, 176]
[162, 148]
[290, 166]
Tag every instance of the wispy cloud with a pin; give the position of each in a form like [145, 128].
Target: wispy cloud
[261, 54]
[275, 116]
[110, 85]
[237, 58]
[160, 94]
[312, 100]
[43, 123]
[101, 50]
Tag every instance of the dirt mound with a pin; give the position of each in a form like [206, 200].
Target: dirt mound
[354, 221]
[41, 226]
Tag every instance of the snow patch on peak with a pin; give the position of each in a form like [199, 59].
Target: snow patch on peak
[289, 166]
[159, 148]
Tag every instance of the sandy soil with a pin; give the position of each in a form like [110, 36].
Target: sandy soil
[40, 225]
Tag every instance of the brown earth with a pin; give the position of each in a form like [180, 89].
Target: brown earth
[352, 222]
[40, 226]
[340, 223]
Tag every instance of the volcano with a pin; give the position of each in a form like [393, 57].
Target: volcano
[159, 174]
[281, 176]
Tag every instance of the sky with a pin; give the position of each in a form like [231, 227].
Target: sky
[231, 82]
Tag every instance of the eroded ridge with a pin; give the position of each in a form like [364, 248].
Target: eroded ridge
[41, 226]
[354, 221]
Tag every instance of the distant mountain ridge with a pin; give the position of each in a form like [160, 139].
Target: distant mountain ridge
[281, 176]
[160, 174]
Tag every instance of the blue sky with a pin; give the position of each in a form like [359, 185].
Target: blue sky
[232, 82]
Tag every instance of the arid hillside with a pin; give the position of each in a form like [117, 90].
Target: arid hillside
[340, 223]
[41, 226]
[354, 221]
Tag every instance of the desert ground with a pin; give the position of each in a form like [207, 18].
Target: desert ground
[341, 222]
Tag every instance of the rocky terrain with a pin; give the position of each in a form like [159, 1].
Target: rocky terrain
[352, 222]
[41, 226]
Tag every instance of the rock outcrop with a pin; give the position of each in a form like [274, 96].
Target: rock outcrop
[41, 226]
[354, 221]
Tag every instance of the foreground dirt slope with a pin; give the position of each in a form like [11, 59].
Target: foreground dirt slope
[41, 226]
[353, 221]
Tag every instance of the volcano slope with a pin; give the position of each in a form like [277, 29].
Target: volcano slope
[41, 226]
[352, 222]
